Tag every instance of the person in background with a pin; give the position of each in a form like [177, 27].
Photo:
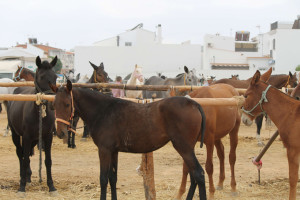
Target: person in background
[119, 93]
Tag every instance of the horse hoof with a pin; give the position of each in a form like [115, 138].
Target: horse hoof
[219, 187]
[260, 144]
[234, 194]
[53, 193]
[21, 194]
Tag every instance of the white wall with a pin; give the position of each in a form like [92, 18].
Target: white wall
[168, 59]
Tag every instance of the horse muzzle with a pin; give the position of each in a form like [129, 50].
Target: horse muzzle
[246, 120]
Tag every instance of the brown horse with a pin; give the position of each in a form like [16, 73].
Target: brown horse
[220, 121]
[278, 81]
[284, 111]
[296, 92]
[118, 125]
[24, 73]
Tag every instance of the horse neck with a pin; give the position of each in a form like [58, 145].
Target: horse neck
[279, 107]
[177, 80]
[133, 80]
[28, 75]
[278, 81]
[87, 104]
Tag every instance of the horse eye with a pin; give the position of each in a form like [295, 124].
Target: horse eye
[245, 96]
[68, 105]
[298, 98]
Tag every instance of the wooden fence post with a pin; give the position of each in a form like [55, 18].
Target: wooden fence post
[147, 169]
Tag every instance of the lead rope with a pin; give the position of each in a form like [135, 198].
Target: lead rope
[42, 114]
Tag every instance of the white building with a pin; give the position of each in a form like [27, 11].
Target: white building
[121, 53]
[279, 48]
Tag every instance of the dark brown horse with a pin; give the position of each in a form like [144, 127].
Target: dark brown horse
[220, 121]
[284, 111]
[24, 73]
[23, 119]
[278, 81]
[99, 76]
[118, 125]
[296, 92]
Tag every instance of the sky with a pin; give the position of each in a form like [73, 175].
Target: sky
[68, 23]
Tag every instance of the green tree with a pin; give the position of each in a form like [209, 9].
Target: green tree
[58, 65]
[298, 68]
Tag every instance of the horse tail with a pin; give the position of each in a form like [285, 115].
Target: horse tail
[202, 124]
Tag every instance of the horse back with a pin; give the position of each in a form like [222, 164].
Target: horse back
[220, 119]
[235, 83]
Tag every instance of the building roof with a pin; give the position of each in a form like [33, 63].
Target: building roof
[45, 48]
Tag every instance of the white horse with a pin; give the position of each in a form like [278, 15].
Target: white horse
[6, 90]
[136, 78]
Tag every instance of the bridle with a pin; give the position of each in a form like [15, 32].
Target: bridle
[70, 122]
[262, 99]
[18, 78]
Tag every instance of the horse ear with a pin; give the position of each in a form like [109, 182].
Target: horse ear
[255, 78]
[38, 61]
[101, 66]
[186, 69]
[266, 76]
[291, 75]
[94, 66]
[69, 85]
[53, 87]
[53, 62]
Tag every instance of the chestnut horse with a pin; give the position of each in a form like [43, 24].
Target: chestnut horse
[24, 73]
[118, 125]
[220, 121]
[23, 119]
[284, 111]
[278, 81]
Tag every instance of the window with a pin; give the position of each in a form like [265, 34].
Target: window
[128, 44]
[273, 44]
[271, 54]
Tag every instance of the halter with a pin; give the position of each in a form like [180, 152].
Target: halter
[287, 83]
[95, 77]
[262, 99]
[19, 75]
[70, 122]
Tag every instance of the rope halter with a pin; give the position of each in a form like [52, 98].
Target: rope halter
[18, 78]
[70, 122]
[262, 99]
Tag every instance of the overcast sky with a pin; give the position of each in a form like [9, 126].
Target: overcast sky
[69, 23]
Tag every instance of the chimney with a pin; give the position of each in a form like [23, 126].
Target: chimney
[159, 36]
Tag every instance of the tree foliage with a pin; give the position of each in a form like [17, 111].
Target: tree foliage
[298, 68]
[57, 68]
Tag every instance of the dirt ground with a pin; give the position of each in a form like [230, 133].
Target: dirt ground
[76, 171]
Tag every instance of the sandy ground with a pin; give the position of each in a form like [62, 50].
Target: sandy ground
[76, 171]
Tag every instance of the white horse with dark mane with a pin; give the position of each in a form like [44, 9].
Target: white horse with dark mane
[136, 78]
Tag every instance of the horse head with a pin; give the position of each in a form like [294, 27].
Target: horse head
[45, 75]
[99, 75]
[293, 81]
[137, 73]
[255, 96]
[190, 76]
[64, 110]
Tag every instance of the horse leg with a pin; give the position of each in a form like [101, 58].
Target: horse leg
[293, 159]
[112, 176]
[182, 188]
[105, 162]
[48, 161]
[221, 155]
[195, 169]
[73, 141]
[19, 150]
[209, 166]
[259, 121]
[6, 131]
[28, 171]
[26, 143]
[232, 155]
[69, 139]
